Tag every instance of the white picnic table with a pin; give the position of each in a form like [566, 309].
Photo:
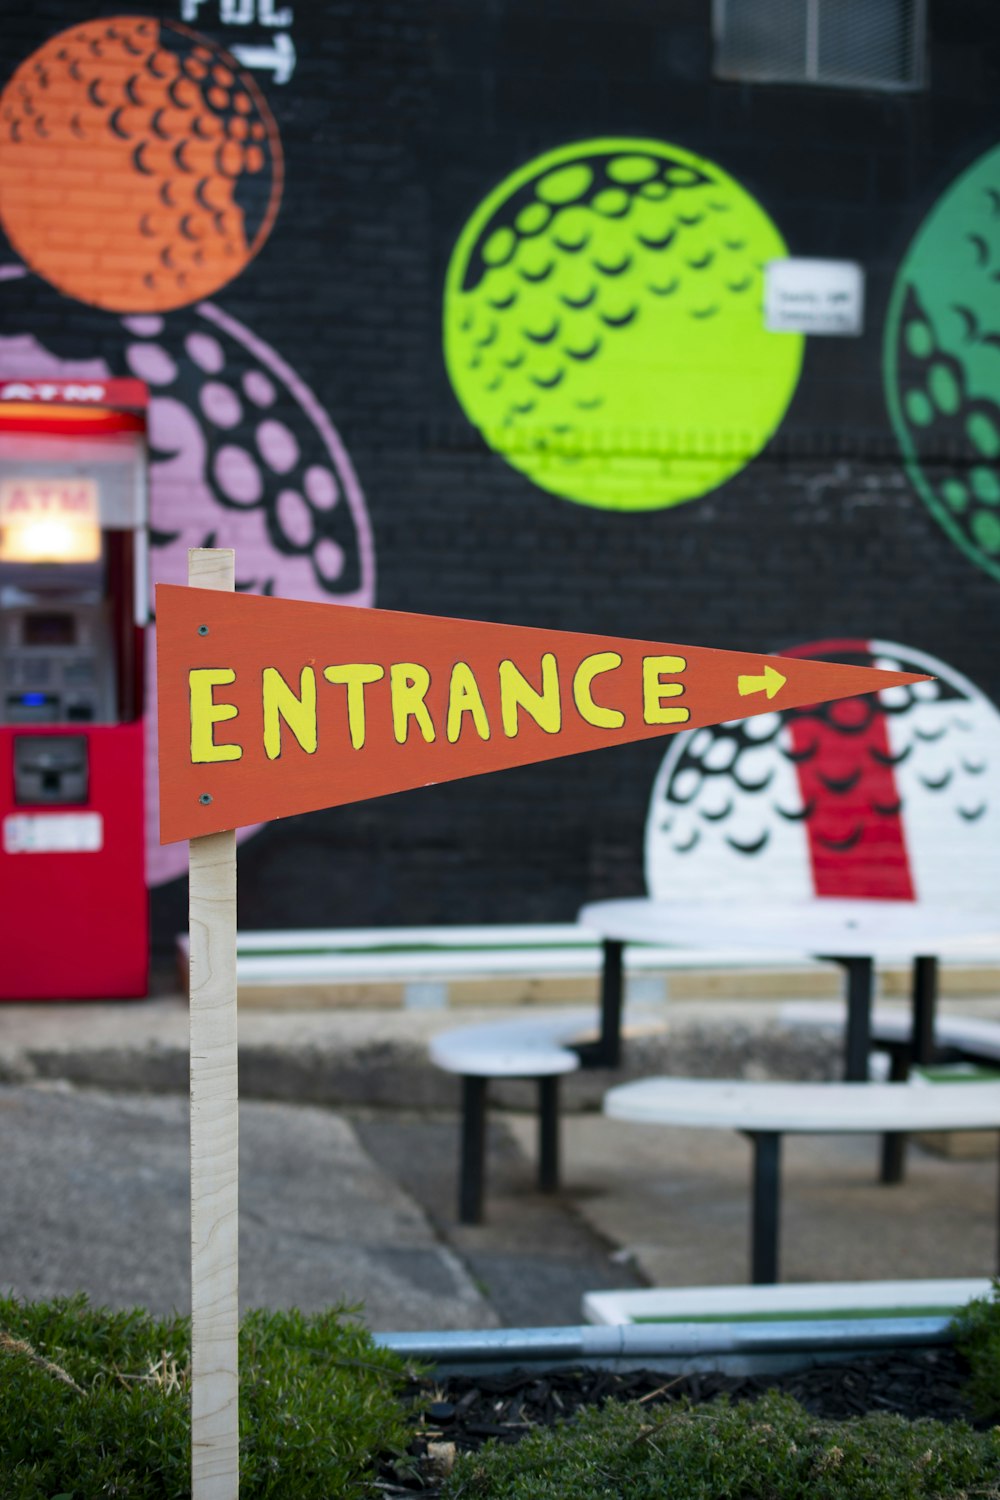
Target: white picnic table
[856, 934]
[767, 1111]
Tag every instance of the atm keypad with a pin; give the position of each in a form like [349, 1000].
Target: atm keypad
[30, 673]
[55, 676]
[79, 671]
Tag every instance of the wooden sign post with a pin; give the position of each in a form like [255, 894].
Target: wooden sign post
[269, 707]
[214, 1136]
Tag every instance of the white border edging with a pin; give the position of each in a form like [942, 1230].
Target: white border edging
[822, 1298]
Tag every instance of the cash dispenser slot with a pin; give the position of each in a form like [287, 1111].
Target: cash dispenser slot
[50, 769]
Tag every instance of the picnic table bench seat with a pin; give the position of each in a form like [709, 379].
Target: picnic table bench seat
[971, 1038]
[767, 1111]
[540, 1046]
[975, 1037]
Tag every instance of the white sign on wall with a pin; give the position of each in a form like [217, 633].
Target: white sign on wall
[814, 296]
[273, 54]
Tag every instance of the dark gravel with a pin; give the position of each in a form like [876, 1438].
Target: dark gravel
[469, 1410]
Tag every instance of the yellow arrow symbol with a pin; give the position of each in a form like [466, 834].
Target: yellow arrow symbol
[770, 682]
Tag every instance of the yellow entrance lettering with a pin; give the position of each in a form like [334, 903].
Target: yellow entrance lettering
[464, 697]
[517, 693]
[654, 690]
[297, 710]
[205, 712]
[353, 675]
[593, 713]
[408, 684]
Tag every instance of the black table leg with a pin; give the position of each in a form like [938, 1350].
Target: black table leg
[920, 1051]
[894, 1146]
[766, 1206]
[548, 1133]
[925, 985]
[860, 975]
[611, 1003]
[606, 1051]
[470, 1183]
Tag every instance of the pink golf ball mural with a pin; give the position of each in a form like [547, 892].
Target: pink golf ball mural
[895, 795]
[242, 454]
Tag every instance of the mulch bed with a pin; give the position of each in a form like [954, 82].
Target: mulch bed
[468, 1410]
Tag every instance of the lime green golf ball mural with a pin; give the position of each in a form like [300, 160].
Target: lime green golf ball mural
[942, 360]
[604, 329]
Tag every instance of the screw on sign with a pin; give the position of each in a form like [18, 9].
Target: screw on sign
[270, 707]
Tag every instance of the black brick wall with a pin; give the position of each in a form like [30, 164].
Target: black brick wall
[400, 116]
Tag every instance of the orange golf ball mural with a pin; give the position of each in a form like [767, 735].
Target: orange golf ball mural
[140, 167]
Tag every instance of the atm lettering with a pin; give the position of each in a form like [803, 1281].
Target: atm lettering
[83, 392]
[46, 499]
[44, 390]
[77, 501]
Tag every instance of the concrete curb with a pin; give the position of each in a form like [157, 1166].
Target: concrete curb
[369, 1059]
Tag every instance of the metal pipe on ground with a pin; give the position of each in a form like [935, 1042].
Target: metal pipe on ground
[735, 1348]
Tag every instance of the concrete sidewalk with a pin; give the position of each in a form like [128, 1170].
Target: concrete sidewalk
[348, 1174]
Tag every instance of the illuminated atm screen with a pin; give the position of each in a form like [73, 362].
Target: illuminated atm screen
[72, 552]
[49, 521]
[55, 652]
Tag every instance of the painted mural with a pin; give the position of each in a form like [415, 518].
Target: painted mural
[942, 361]
[603, 324]
[242, 453]
[159, 163]
[895, 796]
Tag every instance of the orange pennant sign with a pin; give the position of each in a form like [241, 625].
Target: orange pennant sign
[269, 707]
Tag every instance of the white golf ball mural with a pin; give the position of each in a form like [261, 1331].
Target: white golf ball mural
[896, 795]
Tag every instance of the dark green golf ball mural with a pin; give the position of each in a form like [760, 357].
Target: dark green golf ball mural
[604, 329]
[942, 360]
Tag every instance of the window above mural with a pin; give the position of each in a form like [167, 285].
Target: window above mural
[861, 44]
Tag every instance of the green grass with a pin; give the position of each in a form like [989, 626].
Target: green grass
[97, 1403]
[959, 1073]
[977, 1335]
[767, 1450]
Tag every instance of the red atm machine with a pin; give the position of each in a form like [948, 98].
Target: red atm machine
[74, 910]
